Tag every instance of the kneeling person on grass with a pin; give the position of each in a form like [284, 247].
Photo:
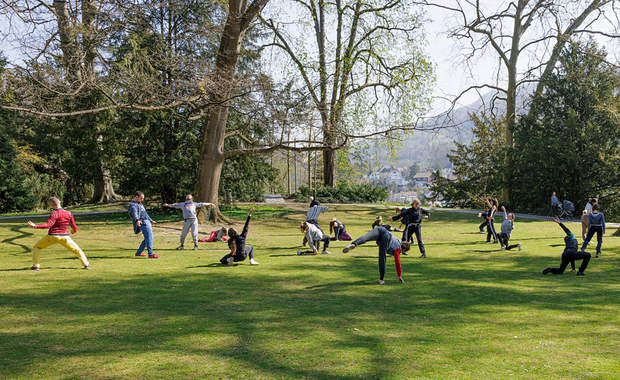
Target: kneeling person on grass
[58, 224]
[314, 235]
[190, 219]
[388, 244]
[507, 226]
[570, 253]
[236, 242]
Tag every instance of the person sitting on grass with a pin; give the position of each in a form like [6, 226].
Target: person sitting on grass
[570, 254]
[236, 242]
[507, 226]
[217, 235]
[388, 245]
[190, 220]
[338, 228]
[314, 236]
[58, 224]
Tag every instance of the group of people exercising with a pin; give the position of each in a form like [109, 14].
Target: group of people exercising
[411, 218]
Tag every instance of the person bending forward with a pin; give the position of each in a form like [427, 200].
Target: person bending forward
[238, 250]
[570, 254]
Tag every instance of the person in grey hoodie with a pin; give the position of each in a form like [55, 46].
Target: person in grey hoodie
[189, 215]
[596, 224]
[507, 226]
[314, 236]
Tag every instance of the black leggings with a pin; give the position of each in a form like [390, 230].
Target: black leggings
[248, 251]
[569, 256]
[491, 231]
[317, 243]
[417, 229]
[504, 239]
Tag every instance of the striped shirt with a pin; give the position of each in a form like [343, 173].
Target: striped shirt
[314, 212]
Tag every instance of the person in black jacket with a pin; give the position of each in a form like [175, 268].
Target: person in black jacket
[570, 254]
[414, 225]
[238, 250]
[313, 200]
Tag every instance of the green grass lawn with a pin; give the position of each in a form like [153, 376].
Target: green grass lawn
[468, 311]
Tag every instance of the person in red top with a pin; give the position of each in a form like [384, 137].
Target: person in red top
[58, 224]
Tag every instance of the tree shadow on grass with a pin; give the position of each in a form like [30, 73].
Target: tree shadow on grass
[20, 235]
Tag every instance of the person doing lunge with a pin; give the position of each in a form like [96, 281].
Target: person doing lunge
[338, 228]
[314, 236]
[388, 244]
[236, 242]
[507, 226]
[414, 215]
[190, 219]
[570, 254]
[379, 222]
[312, 217]
[58, 224]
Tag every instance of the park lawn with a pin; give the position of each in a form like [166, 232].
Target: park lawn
[468, 311]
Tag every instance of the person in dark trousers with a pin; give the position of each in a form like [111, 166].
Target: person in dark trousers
[596, 224]
[507, 226]
[388, 244]
[312, 217]
[415, 214]
[555, 202]
[236, 242]
[314, 237]
[485, 223]
[313, 200]
[570, 254]
[493, 208]
[379, 222]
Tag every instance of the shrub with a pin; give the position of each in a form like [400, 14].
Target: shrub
[344, 193]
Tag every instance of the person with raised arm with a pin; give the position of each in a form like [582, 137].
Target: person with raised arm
[570, 253]
[236, 243]
[190, 219]
[414, 216]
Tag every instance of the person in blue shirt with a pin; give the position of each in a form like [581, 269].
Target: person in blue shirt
[596, 224]
[570, 254]
[142, 222]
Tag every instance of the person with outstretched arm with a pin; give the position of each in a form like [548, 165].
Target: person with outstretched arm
[58, 224]
[313, 200]
[388, 245]
[236, 242]
[507, 226]
[414, 216]
[190, 219]
[570, 254]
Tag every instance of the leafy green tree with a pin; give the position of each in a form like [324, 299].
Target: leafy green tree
[571, 142]
[477, 166]
[413, 170]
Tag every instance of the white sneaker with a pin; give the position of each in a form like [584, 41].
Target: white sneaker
[326, 252]
[589, 242]
[348, 248]
[253, 262]
[502, 248]
[519, 246]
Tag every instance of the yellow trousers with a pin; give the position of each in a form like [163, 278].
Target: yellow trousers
[50, 240]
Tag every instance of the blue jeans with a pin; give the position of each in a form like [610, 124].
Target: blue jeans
[147, 231]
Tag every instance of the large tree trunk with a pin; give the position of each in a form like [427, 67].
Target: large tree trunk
[212, 148]
[103, 190]
[329, 168]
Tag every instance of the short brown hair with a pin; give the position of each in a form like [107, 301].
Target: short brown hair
[405, 246]
[138, 194]
[54, 200]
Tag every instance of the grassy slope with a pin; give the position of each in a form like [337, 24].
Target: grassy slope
[468, 311]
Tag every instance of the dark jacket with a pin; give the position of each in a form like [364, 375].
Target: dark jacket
[137, 212]
[569, 239]
[240, 239]
[411, 215]
[315, 201]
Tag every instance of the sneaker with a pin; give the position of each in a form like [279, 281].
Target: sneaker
[405, 253]
[519, 246]
[34, 268]
[348, 248]
[580, 274]
[253, 262]
[547, 270]
[381, 282]
[299, 253]
[502, 248]
[154, 256]
[482, 232]
[140, 254]
[230, 261]
[195, 247]
[597, 253]
[181, 247]
[423, 256]
[87, 267]
[326, 252]
[589, 242]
